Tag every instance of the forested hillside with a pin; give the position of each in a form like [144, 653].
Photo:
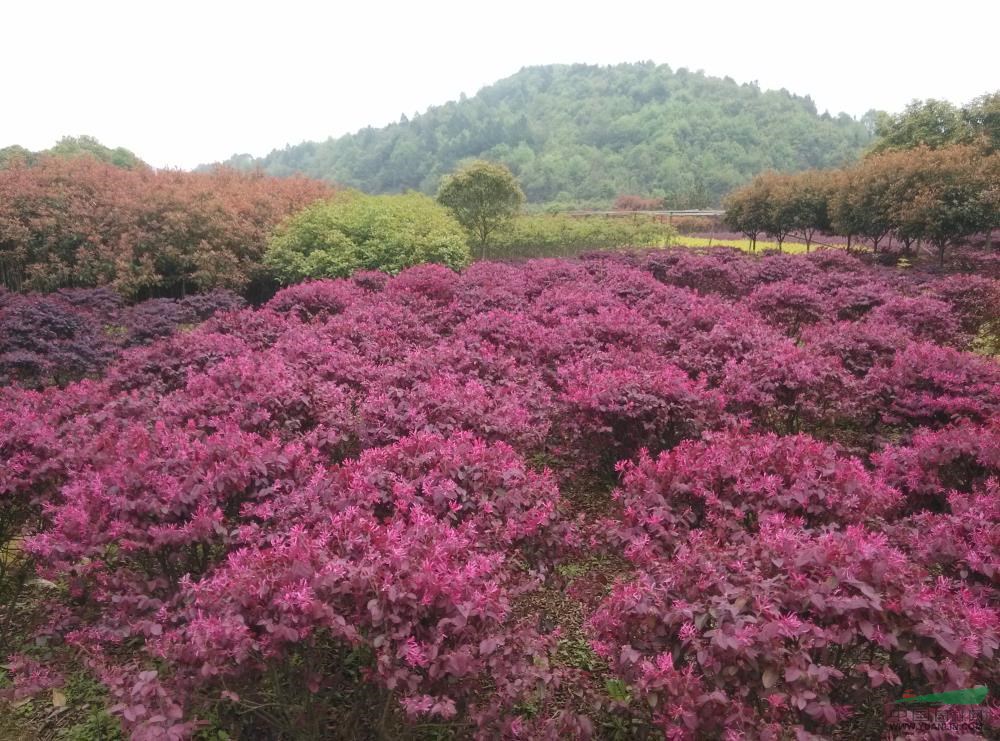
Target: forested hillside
[583, 134]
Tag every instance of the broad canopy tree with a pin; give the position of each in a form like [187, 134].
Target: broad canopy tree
[483, 196]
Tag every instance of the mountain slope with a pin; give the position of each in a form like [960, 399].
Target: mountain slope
[583, 134]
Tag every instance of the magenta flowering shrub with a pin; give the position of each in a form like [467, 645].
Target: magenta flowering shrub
[793, 629]
[613, 405]
[774, 268]
[458, 479]
[29, 677]
[853, 300]
[269, 396]
[103, 304]
[76, 332]
[158, 317]
[964, 542]
[46, 339]
[159, 503]
[430, 282]
[929, 385]
[30, 446]
[860, 346]
[925, 319]
[447, 403]
[788, 305]
[787, 389]
[704, 273]
[421, 595]
[835, 261]
[974, 299]
[165, 365]
[426, 601]
[315, 298]
[712, 340]
[727, 485]
[208, 304]
[935, 463]
[383, 505]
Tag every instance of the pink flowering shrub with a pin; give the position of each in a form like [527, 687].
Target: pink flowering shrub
[776, 267]
[965, 541]
[76, 333]
[269, 396]
[29, 677]
[612, 405]
[157, 505]
[46, 339]
[787, 389]
[793, 629]
[712, 340]
[924, 319]
[423, 596]
[855, 300]
[934, 463]
[974, 299]
[727, 485]
[703, 273]
[447, 403]
[860, 346]
[929, 385]
[788, 305]
[382, 505]
[315, 298]
[458, 479]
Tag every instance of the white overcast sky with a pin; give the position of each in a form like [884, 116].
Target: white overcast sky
[181, 83]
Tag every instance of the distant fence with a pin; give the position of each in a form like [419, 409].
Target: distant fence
[708, 213]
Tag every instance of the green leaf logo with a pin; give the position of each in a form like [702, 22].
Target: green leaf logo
[971, 696]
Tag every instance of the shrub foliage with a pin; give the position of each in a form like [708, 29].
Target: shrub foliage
[373, 507]
[351, 232]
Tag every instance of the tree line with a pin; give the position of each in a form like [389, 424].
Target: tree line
[920, 196]
[933, 177]
[78, 221]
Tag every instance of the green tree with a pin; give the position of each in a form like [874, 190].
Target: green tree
[932, 123]
[353, 231]
[779, 191]
[74, 146]
[983, 118]
[483, 196]
[16, 154]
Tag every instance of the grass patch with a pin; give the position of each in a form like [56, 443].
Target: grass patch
[790, 248]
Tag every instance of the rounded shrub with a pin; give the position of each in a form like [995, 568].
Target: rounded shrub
[354, 231]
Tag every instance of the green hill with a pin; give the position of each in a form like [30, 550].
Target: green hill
[583, 134]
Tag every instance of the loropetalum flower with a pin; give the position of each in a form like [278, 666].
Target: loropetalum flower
[344, 494]
[792, 633]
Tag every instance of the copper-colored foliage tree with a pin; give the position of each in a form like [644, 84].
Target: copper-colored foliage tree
[862, 204]
[809, 195]
[776, 204]
[747, 210]
[81, 222]
[935, 196]
[953, 193]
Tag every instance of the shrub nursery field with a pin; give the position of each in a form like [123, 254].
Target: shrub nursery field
[681, 493]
